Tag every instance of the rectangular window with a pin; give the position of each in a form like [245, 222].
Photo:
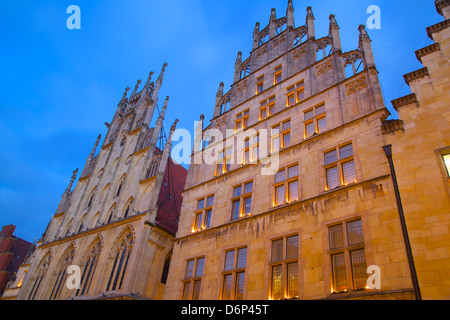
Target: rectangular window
[340, 171]
[242, 120]
[277, 75]
[234, 274]
[284, 265]
[446, 159]
[315, 121]
[286, 187]
[242, 200]
[266, 108]
[260, 85]
[281, 136]
[295, 94]
[203, 214]
[192, 281]
[349, 247]
[254, 148]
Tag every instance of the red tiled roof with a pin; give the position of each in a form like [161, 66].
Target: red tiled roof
[170, 199]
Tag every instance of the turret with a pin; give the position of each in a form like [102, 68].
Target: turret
[290, 15]
[237, 65]
[219, 97]
[272, 26]
[310, 23]
[256, 36]
[334, 34]
[365, 47]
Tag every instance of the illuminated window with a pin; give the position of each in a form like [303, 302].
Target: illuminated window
[277, 75]
[267, 108]
[242, 200]
[234, 274]
[192, 279]
[315, 121]
[203, 213]
[242, 120]
[260, 85]
[339, 167]
[284, 268]
[254, 149]
[281, 136]
[286, 186]
[346, 248]
[295, 94]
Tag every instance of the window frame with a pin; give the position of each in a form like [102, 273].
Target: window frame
[286, 183]
[241, 199]
[294, 92]
[267, 105]
[193, 279]
[339, 165]
[284, 261]
[281, 135]
[277, 74]
[233, 272]
[314, 120]
[201, 214]
[346, 250]
[259, 84]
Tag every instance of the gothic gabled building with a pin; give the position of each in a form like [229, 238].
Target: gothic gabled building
[301, 199]
[118, 223]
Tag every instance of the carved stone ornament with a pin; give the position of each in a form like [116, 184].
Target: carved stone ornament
[324, 67]
[221, 121]
[355, 85]
[241, 86]
[300, 52]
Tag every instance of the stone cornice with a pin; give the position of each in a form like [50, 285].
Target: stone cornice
[403, 101]
[390, 126]
[437, 27]
[441, 4]
[409, 77]
[427, 50]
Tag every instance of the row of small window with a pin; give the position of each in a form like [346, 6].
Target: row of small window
[346, 253]
[315, 123]
[294, 95]
[339, 169]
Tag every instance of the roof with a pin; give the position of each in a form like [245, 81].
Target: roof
[170, 198]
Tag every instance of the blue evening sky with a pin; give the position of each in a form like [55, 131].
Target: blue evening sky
[59, 86]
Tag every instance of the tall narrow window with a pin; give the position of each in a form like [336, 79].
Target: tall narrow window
[315, 121]
[203, 213]
[61, 277]
[193, 278]
[242, 200]
[277, 75]
[89, 268]
[40, 274]
[260, 85]
[254, 148]
[234, 274]
[286, 186]
[339, 167]
[281, 136]
[284, 268]
[119, 267]
[346, 241]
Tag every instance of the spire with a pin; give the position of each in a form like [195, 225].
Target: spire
[149, 79]
[334, 34]
[219, 96]
[136, 86]
[197, 141]
[256, 36]
[124, 97]
[290, 15]
[310, 23]
[95, 146]
[365, 47]
[272, 26]
[69, 187]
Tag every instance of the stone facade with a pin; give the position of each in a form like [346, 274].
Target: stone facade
[119, 222]
[329, 211]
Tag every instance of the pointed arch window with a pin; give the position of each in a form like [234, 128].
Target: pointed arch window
[121, 182]
[121, 258]
[166, 267]
[127, 209]
[89, 268]
[62, 274]
[40, 275]
[91, 197]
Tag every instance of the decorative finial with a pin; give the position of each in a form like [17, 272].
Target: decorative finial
[172, 128]
[136, 86]
[363, 35]
[309, 13]
[333, 23]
